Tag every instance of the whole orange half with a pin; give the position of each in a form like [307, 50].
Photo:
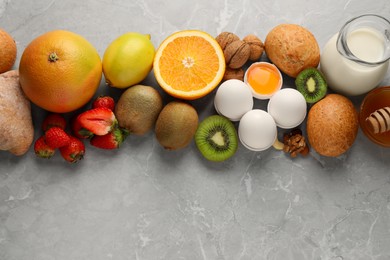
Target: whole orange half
[189, 64]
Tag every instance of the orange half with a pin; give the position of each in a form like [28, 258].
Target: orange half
[189, 64]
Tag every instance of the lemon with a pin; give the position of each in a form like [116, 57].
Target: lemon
[128, 60]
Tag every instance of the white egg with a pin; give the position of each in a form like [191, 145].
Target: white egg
[288, 108]
[233, 99]
[257, 130]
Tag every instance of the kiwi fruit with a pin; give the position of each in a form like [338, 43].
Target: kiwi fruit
[216, 138]
[138, 108]
[312, 85]
[176, 125]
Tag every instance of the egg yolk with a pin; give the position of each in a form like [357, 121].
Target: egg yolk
[263, 80]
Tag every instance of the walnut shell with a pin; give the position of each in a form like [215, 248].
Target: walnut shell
[233, 74]
[256, 45]
[237, 54]
[225, 38]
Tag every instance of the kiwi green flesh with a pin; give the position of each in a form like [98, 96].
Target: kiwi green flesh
[216, 138]
[311, 84]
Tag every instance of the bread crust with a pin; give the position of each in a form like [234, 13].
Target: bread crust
[292, 48]
[16, 126]
[332, 125]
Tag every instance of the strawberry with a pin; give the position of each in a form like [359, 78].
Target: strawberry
[112, 140]
[74, 151]
[79, 131]
[56, 137]
[99, 121]
[41, 148]
[104, 101]
[53, 119]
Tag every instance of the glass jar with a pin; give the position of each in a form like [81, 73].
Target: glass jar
[356, 59]
[378, 98]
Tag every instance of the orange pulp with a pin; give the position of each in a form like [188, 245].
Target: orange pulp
[263, 79]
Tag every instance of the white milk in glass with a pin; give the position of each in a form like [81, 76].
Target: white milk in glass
[349, 77]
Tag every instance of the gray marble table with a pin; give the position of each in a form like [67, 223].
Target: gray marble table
[142, 202]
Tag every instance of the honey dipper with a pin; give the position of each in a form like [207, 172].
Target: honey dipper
[379, 121]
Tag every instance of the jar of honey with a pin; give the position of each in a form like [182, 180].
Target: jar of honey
[374, 118]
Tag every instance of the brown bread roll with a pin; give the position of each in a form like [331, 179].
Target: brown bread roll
[332, 125]
[292, 48]
[16, 127]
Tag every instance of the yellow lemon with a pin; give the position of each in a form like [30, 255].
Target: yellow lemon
[128, 60]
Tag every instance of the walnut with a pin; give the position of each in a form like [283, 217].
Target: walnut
[226, 38]
[237, 54]
[233, 74]
[295, 143]
[256, 46]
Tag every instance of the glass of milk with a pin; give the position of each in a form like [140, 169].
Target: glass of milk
[356, 59]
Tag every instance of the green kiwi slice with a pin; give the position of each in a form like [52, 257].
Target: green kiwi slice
[312, 84]
[216, 138]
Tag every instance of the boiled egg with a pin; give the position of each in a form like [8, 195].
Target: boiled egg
[233, 99]
[288, 107]
[257, 130]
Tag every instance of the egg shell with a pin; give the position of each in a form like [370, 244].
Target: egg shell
[288, 107]
[257, 130]
[233, 99]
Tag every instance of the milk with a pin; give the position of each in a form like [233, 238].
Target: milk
[349, 77]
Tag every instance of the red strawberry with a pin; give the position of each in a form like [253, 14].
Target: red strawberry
[79, 131]
[99, 121]
[74, 151]
[53, 119]
[41, 148]
[56, 137]
[104, 101]
[112, 140]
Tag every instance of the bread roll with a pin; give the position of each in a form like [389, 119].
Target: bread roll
[16, 127]
[292, 48]
[332, 125]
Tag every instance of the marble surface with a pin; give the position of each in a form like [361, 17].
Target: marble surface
[142, 202]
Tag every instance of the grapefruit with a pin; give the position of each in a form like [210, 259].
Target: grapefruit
[60, 71]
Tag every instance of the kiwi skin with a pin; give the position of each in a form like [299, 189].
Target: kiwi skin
[138, 108]
[312, 85]
[220, 128]
[176, 125]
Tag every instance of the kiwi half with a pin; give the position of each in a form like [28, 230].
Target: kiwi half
[216, 138]
[312, 84]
